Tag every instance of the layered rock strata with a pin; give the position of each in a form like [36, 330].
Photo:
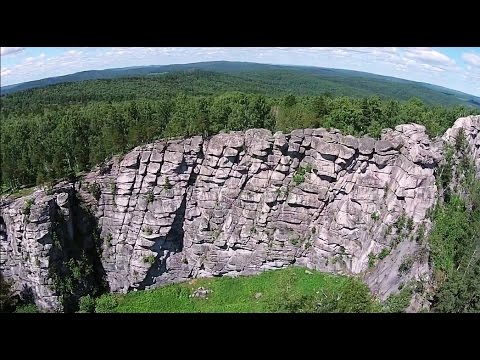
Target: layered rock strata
[243, 202]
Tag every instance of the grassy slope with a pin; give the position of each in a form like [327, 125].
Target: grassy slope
[230, 294]
[19, 193]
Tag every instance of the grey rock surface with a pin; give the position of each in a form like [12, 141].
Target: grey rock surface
[25, 244]
[245, 202]
[471, 129]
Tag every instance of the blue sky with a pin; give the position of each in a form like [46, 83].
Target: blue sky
[455, 68]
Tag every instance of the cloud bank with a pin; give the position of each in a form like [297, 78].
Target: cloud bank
[10, 50]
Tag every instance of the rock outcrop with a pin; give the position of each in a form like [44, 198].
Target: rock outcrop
[243, 202]
[26, 242]
[470, 126]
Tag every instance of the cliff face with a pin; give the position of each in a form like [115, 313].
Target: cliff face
[240, 203]
[26, 242]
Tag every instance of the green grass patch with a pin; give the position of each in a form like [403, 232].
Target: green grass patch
[269, 291]
[22, 192]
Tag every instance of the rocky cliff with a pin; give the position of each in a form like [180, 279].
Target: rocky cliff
[243, 202]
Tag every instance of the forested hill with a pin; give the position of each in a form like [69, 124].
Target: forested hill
[139, 82]
[59, 130]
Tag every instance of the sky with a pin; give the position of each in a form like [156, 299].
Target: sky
[456, 68]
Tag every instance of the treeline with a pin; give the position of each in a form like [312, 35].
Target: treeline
[217, 78]
[43, 146]
[153, 87]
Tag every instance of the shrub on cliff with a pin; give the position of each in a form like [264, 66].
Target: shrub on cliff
[8, 301]
[86, 304]
[105, 304]
[355, 298]
[27, 309]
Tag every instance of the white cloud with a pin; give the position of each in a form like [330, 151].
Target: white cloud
[429, 56]
[10, 50]
[5, 72]
[471, 58]
[72, 53]
[433, 68]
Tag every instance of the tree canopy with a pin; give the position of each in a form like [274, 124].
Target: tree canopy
[51, 132]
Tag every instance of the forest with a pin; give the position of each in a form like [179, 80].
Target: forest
[248, 77]
[58, 131]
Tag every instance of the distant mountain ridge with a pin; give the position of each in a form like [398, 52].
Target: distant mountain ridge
[304, 79]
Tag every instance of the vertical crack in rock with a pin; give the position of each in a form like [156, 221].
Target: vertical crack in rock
[172, 243]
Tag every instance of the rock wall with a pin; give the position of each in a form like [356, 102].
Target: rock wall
[26, 242]
[243, 202]
[471, 129]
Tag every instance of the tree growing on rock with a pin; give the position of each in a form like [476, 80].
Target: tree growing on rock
[8, 300]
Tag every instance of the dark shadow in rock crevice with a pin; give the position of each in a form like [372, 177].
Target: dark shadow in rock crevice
[75, 264]
[26, 294]
[172, 243]
[3, 230]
